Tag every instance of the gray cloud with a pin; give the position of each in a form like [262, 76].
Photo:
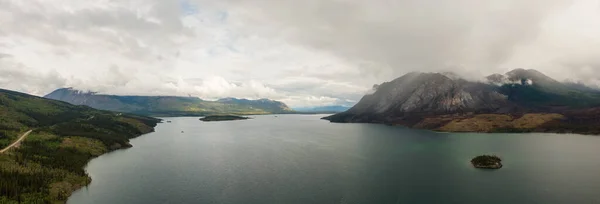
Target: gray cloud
[311, 52]
[19, 77]
[405, 35]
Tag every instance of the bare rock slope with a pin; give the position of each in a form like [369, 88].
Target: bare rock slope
[442, 101]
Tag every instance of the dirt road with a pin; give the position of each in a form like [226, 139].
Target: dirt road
[16, 142]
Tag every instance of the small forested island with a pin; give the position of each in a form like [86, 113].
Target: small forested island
[487, 162]
[223, 118]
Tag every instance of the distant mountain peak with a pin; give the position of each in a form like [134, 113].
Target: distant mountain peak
[525, 71]
[521, 76]
[168, 105]
[429, 92]
[532, 75]
[69, 90]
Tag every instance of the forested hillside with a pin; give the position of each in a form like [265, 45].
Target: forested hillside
[48, 165]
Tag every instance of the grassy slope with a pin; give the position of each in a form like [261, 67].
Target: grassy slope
[49, 164]
[499, 122]
[580, 122]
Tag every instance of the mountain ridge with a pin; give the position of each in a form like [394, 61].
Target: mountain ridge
[435, 100]
[168, 105]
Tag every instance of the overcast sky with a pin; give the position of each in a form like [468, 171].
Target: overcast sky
[302, 52]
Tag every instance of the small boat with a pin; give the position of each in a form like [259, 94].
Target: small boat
[181, 131]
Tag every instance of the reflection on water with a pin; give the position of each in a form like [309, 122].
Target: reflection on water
[301, 159]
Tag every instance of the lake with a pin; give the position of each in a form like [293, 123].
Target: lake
[289, 159]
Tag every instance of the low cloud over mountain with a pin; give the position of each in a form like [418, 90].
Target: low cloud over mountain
[304, 53]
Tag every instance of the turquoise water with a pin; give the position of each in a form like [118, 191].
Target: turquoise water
[301, 159]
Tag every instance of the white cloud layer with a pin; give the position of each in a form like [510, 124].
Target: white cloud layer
[310, 52]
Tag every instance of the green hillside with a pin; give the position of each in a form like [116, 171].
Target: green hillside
[169, 105]
[48, 164]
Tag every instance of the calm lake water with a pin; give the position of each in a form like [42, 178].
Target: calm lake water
[301, 159]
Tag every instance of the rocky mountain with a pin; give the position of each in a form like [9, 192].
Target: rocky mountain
[168, 105]
[434, 100]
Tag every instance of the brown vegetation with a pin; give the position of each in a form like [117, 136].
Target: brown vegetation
[499, 122]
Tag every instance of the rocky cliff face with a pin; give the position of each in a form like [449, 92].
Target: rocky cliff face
[422, 94]
[425, 93]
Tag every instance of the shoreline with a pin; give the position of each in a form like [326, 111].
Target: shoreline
[473, 132]
[89, 178]
[535, 122]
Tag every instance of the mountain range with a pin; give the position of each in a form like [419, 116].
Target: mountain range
[49, 163]
[168, 105]
[322, 109]
[518, 101]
